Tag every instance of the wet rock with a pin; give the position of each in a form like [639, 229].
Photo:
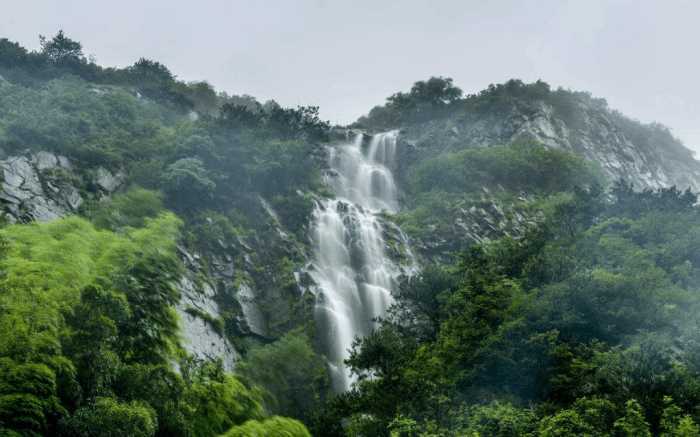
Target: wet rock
[252, 320]
[45, 160]
[198, 309]
[108, 181]
[42, 186]
[223, 267]
[594, 135]
[23, 195]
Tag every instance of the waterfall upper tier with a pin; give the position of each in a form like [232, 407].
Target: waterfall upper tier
[363, 175]
[355, 277]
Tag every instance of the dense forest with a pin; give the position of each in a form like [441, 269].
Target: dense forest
[573, 313]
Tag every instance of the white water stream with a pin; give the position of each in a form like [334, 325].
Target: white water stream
[354, 275]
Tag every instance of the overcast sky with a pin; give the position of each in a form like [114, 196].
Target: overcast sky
[346, 56]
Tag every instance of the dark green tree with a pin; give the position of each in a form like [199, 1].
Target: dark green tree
[61, 49]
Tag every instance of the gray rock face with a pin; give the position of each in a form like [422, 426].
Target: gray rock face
[596, 134]
[43, 186]
[37, 187]
[259, 277]
[252, 318]
[108, 181]
[199, 311]
[199, 336]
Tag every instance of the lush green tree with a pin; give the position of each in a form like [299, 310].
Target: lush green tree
[219, 401]
[240, 116]
[500, 420]
[187, 183]
[293, 375]
[107, 417]
[28, 397]
[426, 99]
[675, 423]
[633, 423]
[68, 313]
[565, 423]
[11, 53]
[95, 323]
[149, 283]
[303, 122]
[271, 427]
[60, 48]
[163, 389]
[282, 167]
[132, 208]
[529, 168]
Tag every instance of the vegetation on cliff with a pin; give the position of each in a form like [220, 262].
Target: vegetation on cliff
[584, 326]
[89, 338]
[551, 301]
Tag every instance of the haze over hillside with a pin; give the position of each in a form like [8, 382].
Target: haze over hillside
[346, 57]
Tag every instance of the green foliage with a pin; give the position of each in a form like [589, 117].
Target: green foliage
[95, 324]
[674, 423]
[149, 285]
[271, 171]
[294, 377]
[632, 424]
[218, 402]
[154, 79]
[631, 202]
[61, 48]
[107, 417]
[296, 211]
[500, 420]
[61, 56]
[77, 303]
[478, 193]
[274, 426]
[129, 209]
[532, 169]
[11, 53]
[89, 334]
[28, 397]
[426, 99]
[565, 423]
[302, 123]
[586, 319]
[187, 183]
[69, 116]
[163, 389]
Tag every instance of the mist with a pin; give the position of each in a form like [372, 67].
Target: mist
[348, 57]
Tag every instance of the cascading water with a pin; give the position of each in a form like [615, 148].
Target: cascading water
[353, 273]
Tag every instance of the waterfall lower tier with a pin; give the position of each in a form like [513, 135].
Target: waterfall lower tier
[354, 275]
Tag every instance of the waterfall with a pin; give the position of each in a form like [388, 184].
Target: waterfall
[353, 273]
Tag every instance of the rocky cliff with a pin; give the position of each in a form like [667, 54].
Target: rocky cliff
[646, 155]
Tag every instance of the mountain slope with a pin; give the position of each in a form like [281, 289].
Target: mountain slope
[231, 291]
[473, 168]
[514, 112]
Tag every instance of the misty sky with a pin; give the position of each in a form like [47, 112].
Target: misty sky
[346, 56]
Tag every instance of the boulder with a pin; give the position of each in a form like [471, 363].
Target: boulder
[108, 181]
